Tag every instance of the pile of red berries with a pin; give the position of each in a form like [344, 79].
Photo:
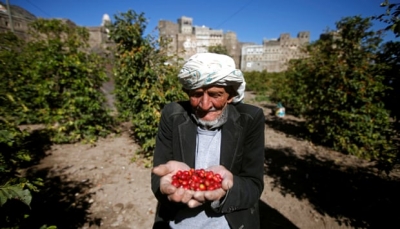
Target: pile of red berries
[197, 180]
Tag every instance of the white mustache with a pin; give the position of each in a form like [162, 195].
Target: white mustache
[211, 109]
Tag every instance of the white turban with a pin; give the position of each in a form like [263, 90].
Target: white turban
[205, 69]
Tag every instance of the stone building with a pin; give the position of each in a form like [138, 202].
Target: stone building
[98, 36]
[18, 22]
[233, 46]
[273, 54]
[20, 19]
[252, 58]
[187, 39]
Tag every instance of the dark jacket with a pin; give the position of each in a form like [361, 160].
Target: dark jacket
[242, 153]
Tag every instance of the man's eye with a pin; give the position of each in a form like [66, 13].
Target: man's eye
[214, 95]
[197, 95]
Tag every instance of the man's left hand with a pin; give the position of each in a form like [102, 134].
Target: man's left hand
[200, 197]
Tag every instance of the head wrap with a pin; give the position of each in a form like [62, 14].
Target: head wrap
[208, 69]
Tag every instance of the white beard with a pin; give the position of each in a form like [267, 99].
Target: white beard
[219, 121]
[209, 123]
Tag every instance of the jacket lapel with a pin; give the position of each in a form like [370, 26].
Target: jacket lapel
[187, 136]
[231, 132]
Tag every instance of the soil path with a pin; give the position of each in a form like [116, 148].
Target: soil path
[306, 186]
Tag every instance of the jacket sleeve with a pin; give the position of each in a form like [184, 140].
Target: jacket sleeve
[248, 180]
[163, 149]
[163, 153]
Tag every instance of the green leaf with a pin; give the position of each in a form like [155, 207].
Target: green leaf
[15, 192]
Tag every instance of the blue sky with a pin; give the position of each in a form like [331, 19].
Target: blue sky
[251, 20]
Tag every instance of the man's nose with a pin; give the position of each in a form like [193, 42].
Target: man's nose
[205, 102]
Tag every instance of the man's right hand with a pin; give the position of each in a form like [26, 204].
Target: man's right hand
[166, 171]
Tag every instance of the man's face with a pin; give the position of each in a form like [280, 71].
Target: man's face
[209, 102]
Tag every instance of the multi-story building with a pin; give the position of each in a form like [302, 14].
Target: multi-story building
[187, 40]
[273, 55]
[252, 58]
[15, 18]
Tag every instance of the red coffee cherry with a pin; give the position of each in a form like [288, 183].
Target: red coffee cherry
[197, 180]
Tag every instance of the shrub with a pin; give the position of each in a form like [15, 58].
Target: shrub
[389, 55]
[57, 81]
[262, 83]
[220, 49]
[14, 153]
[339, 90]
[145, 77]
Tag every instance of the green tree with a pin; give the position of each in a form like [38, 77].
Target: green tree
[391, 17]
[145, 77]
[10, 55]
[339, 90]
[64, 81]
[220, 49]
[14, 152]
[389, 55]
[262, 83]
[49, 79]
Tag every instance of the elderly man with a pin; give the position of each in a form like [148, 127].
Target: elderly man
[214, 131]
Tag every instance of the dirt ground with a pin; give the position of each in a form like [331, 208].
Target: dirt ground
[306, 185]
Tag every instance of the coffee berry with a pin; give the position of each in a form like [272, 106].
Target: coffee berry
[197, 180]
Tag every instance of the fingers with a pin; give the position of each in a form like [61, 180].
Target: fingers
[203, 196]
[191, 198]
[194, 203]
[227, 177]
[161, 170]
[181, 195]
[227, 183]
[215, 194]
[199, 196]
[169, 167]
[167, 189]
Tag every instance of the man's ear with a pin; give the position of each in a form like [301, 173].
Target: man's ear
[230, 99]
[232, 93]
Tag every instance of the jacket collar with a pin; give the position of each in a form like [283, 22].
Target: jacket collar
[231, 132]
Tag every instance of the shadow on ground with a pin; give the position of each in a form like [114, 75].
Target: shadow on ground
[38, 142]
[61, 202]
[66, 204]
[355, 197]
[272, 219]
[294, 128]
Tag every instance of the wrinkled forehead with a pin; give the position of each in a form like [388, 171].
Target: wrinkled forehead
[228, 89]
